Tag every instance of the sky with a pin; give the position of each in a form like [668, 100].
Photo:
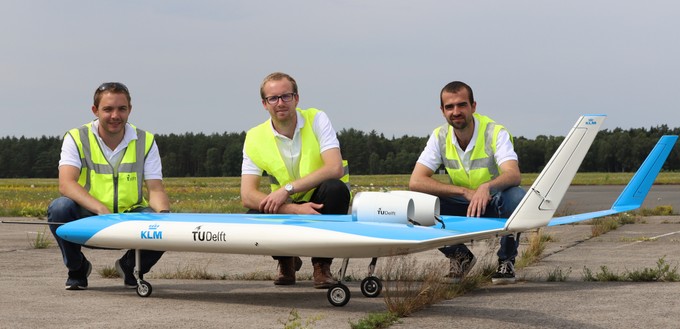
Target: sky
[196, 66]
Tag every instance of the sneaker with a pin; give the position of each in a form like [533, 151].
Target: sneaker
[127, 274]
[460, 267]
[505, 273]
[77, 280]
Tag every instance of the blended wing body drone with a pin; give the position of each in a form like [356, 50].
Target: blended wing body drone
[380, 223]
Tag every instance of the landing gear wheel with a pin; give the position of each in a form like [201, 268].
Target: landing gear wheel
[338, 294]
[144, 289]
[371, 287]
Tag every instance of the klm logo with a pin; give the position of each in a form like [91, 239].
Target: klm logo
[208, 236]
[591, 121]
[386, 212]
[152, 233]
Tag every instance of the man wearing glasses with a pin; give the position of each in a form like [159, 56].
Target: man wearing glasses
[482, 165]
[102, 168]
[300, 152]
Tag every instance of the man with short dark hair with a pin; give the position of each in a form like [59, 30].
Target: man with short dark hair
[479, 157]
[103, 167]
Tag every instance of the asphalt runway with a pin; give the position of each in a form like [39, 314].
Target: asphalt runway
[32, 284]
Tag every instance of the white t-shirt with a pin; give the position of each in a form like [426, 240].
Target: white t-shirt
[290, 148]
[152, 165]
[431, 156]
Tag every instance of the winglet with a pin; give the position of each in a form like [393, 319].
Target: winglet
[544, 196]
[636, 191]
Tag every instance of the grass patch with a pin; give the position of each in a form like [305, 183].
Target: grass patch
[663, 272]
[410, 287]
[640, 239]
[603, 225]
[656, 211]
[251, 276]
[558, 275]
[628, 218]
[187, 272]
[532, 253]
[295, 321]
[41, 240]
[376, 321]
[108, 272]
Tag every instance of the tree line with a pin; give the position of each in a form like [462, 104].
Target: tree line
[220, 155]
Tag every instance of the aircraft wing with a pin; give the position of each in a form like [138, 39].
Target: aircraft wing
[634, 194]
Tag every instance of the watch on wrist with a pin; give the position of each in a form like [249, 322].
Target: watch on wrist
[289, 188]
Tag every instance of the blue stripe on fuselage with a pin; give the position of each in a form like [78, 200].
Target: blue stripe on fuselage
[82, 230]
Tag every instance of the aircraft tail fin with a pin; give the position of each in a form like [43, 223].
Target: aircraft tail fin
[636, 191]
[545, 194]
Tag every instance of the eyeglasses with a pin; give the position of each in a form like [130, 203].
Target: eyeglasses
[113, 86]
[285, 98]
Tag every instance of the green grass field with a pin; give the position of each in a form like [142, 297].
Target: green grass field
[30, 197]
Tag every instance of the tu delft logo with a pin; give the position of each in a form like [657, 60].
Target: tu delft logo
[153, 233]
[208, 236]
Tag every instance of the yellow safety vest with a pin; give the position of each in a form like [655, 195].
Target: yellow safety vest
[260, 146]
[120, 190]
[483, 167]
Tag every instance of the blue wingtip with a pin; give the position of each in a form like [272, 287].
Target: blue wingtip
[638, 187]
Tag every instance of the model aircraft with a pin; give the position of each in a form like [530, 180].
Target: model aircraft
[380, 223]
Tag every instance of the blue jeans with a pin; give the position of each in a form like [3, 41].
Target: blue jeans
[64, 210]
[501, 205]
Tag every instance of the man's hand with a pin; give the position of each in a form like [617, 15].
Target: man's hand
[480, 198]
[307, 208]
[273, 201]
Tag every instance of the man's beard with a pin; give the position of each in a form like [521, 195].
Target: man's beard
[458, 125]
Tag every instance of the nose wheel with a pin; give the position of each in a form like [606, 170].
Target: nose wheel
[371, 287]
[338, 294]
[144, 288]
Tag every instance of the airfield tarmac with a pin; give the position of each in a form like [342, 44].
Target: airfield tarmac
[32, 281]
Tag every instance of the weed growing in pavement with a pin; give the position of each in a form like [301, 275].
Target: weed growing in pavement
[663, 272]
[108, 272]
[610, 223]
[187, 272]
[603, 275]
[41, 240]
[376, 321]
[295, 321]
[558, 275]
[603, 225]
[532, 254]
[656, 211]
[409, 286]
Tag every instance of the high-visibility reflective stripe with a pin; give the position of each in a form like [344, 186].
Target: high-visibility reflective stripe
[441, 138]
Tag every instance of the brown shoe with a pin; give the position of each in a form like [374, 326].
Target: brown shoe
[287, 268]
[322, 275]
